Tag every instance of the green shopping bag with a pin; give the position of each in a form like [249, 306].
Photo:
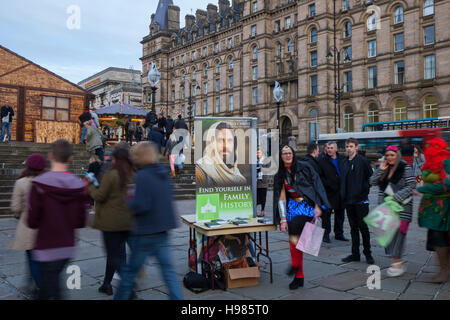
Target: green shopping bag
[384, 221]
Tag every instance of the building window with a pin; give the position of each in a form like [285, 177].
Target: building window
[255, 6]
[372, 77]
[313, 35]
[173, 95]
[399, 44]
[231, 81]
[183, 108]
[348, 119]
[217, 85]
[289, 45]
[182, 58]
[216, 48]
[217, 105]
[398, 15]
[428, 33]
[279, 49]
[347, 29]
[183, 94]
[428, 7]
[430, 107]
[399, 70]
[231, 64]
[255, 73]
[348, 85]
[205, 70]
[314, 59]
[255, 96]
[194, 74]
[218, 67]
[287, 22]
[205, 87]
[218, 27]
[277, 26]
[372, 114]
[278, 68]
[430, 67]
[348, 54]
[400, 110]
[254, 30]
[372, 49]
[345, 5]
[255, 53]
[313, 80]
[230, 43]
[231, 103]
[205, 51]
[194, 55]
[312, 10]
[54, 108]
[372, 22]
[205, 107]
[194, 109]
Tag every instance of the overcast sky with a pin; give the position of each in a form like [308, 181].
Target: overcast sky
[109, 35]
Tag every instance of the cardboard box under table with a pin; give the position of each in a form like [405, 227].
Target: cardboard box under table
[241, 277]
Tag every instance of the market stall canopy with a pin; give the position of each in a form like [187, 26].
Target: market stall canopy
[122, 109]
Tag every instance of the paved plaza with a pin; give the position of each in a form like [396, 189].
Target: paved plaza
[327, 277]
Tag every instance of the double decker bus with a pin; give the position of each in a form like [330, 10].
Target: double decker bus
[441, 122]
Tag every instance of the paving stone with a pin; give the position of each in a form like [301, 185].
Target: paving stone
[423, 288]
[6, 290]
[8, 224]
[316, 270]
[414, 296]
[445, 295]
[13, 258]
[378, 294]
[87, 293]
[7, 270]
[221, 296]
[344, 281]
[93, 267]
[88, 252]
[152, 295]
[319, 293]
[394, 285]
[431, 269]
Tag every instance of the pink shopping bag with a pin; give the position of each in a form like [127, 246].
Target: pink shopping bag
[311, 238]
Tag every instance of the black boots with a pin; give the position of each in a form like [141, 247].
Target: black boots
[296, 283]
[106, 289]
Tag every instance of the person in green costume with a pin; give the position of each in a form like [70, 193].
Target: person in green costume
[434, 214]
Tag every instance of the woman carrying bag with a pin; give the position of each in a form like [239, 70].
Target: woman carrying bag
[395, 178]
[299, 196]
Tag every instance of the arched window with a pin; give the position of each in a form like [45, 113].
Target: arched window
[372, 113]
[314, 125]
[218, 66]
[428, 7]
[194, 74]
[398, 14]
[313, 35]
[231, 64]
[372, 22]
[347, 29]
[255, 53]
[279, 49]
[430, 107]
[205, 70]
[289, 45]
[348, 119]
[400, 110]
[184, 76]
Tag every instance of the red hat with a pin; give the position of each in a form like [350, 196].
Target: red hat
[36, 161]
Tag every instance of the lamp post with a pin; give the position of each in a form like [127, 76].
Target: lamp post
[338, 88]
[278, 95]
[182, 85]
[153, 78]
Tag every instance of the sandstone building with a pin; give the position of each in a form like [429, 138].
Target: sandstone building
[395, 61]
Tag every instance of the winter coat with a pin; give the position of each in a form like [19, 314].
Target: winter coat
[307, 184]
[156, 137]
[93, 139]
[355, 176]
[111, 210]
[402, 182]
[24, 238]
[418, 164]
[152, 204]
[4, 113]
[331, 179]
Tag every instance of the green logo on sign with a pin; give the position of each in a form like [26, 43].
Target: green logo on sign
[208, 206]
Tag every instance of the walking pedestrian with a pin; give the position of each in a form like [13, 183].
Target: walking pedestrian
[156, 137]
[162, 123]
[312, 158]
[418, 162]
[57, 206]
[94, 143]
[95, 117]
[172, 154]
[139, 132]
[130, 130]
[152, 206]
[394, 177]
[105, 165]
[261, 182]
[25, 237]
[84, 117]
[299, 196]
[331, 164]
[7, 113]
[355, 187]
[112, 216]
[169, 127]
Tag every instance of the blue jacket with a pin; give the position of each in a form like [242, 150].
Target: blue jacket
[156, 137]
[153, 201]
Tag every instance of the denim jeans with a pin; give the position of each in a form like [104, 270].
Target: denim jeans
[34, 268]
[6, 126]
[156, 245]
[100, 153]
[49, 278]
[83, 134]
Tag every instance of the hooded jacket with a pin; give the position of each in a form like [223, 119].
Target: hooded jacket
[152, 204]
[57, 206]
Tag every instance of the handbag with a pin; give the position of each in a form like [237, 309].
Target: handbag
[196, 282]
[311, 239]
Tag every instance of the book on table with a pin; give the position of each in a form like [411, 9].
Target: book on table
[213, 224]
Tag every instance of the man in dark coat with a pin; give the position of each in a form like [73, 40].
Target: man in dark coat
[169, 127]
[162, 123]
[157, 137]
[331, 166]
[180, 124]
[312, 158]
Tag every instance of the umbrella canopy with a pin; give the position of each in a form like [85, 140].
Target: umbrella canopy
[123, 109]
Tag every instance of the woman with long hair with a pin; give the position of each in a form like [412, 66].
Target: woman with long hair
[299, 197]
[395, 178]
[112, 215]
[418, 162]
[25, 238]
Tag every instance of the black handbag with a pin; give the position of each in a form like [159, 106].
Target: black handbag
[196, 283]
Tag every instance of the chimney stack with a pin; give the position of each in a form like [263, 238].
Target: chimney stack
[190, 20]
[212, 10]
[173, 17]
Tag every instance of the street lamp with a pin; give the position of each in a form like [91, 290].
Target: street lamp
[182, 85]
[153, 78]
[278, 95]
[338, 88]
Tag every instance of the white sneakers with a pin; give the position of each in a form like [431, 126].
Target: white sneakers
[396, 272]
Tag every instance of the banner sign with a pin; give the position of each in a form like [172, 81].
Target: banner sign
[225, 168]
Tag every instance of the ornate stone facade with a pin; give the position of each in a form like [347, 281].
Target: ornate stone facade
[397, 67]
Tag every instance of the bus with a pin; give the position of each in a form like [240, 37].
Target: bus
[441, 122]
[374, 143]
